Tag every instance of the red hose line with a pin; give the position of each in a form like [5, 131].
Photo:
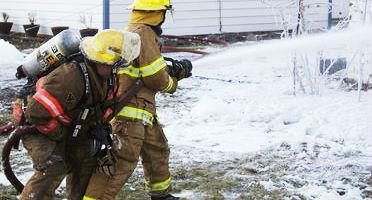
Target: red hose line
[195, 38]
[181, 49]
[192, 38]
[7, 128]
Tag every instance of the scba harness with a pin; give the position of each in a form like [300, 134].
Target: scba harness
[100, 141]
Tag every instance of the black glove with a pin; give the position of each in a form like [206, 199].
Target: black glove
[180, 68]
[101, 148]
[106, 162]
[28, 89]
[20, 73]
[100, 139]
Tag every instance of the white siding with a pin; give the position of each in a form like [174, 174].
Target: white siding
[119, 14]
[53, 13]
[218, 16]
[191, 16]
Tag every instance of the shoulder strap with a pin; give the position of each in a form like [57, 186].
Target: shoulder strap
[114, 108]
[84, 108]
[123, 100]
[84, 72]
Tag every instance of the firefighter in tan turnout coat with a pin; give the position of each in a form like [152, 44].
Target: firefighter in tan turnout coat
[137, 125]
[56, 106]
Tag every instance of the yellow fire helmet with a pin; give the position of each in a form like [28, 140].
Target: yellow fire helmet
[151, 5]
[110, 46]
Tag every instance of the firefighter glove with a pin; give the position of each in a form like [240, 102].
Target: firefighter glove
[18, 113]
[20, 73]
[180, 69]
[106, 162]
[100, 139]
[101, 148]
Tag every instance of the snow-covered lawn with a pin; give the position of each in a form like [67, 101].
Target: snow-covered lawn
[241, 100]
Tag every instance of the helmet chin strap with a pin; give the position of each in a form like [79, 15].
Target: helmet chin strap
[119, 63]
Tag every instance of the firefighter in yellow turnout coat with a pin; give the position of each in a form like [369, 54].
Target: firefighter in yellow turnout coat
[55, 107]
[136, 125]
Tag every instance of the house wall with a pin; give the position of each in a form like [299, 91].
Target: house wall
[191, 17]
[218, 16]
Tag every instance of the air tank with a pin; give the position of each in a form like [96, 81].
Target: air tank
[51, 54]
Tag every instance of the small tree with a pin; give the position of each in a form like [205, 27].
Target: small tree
[32, 17]
[86, 20]
[5, 16]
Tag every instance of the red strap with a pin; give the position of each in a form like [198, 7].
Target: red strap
[17, 112]
[52, 105]
[40, 82]
[107, 113]
[112, 93]
[49, 127]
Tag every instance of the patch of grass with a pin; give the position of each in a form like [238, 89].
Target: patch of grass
[133, 190]
[8, 192]
[257, 191]
[5, 116]
[209, 182]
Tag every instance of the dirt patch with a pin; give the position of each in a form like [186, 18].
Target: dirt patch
[7, 96]
[21, 41]
[284, 172]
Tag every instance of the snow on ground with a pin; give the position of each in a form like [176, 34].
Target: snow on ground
[240, 100]
[239, 105]
[10, 58]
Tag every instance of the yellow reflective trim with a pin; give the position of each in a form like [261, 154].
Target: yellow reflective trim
[88, 198]
[154, 67]
[159, 186]
[137, 113]
[145, 71]
[131, 71]
[169, 86]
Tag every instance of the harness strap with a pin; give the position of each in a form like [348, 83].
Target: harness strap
[84, 109]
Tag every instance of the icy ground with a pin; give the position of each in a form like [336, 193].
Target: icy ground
[237, 122]
[240, 100]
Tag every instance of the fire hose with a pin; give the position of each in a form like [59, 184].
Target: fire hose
[190, 38]
[12, 141]
[7, 128]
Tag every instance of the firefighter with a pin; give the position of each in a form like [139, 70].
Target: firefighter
[68, 115]
[137, 126]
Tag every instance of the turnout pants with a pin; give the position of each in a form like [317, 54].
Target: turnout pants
[52, 161]
[137, 140]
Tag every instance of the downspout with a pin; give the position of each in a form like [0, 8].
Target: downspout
[220, 14]
[106, 14]
[330, 8]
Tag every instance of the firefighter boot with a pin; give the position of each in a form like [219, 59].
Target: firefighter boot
[166, 197]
